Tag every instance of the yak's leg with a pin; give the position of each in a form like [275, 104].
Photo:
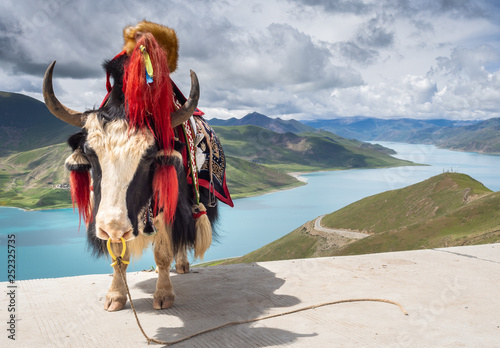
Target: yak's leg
[181, 261]
[117, 293]
[164, 295]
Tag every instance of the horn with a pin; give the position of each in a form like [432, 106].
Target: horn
[186, 111]
[60, 111]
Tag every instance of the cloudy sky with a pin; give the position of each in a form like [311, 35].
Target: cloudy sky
[302, 59]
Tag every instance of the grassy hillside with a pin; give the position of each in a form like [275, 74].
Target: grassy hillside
[246, 178]
[304, 152]
[274, 124]
[26, 124]
[449, 209]
[403, 207]
[29, 179]
[483, 137]
[257, 162]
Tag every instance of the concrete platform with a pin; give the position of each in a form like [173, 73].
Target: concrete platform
[451, 295]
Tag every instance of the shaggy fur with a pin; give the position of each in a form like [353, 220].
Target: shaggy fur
[165, 36]
[148, 104]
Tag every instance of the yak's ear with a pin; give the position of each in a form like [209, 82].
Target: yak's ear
[77, 162]
[76, 140]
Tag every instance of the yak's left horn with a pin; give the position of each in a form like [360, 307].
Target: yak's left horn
[186, 111]
[60, 111]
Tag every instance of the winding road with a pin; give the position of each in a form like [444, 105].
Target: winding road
[343, 233]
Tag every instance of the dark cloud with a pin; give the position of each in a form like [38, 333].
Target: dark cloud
[454, 8]
[352, 52]
[338, 6]
[407, 8]
[374, 33]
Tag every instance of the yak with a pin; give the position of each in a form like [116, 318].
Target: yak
[146, 166]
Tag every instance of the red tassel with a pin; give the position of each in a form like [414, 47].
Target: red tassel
[166, 192]
[80, 193]
[149, 104]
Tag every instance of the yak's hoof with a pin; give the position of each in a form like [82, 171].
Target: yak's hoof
[163, 299]
[115, 301]
[182, 267]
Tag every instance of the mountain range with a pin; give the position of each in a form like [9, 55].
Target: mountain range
[475, 136]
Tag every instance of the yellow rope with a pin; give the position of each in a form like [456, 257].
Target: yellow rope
[238, 322]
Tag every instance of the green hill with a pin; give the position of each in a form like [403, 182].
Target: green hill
[304, 152]
[449, 209]
[483, 137]
[37, 179]
[274, 124]
[246, 178]
[257, 162]
[26, 124]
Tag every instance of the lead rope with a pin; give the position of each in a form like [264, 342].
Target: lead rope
[119, 261]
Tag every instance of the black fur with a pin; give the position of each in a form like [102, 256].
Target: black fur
[140, 190]
[78, 167]
[183, 228]
[77, 140]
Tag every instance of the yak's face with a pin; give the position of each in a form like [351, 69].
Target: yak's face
[122, 165]
[122, 158]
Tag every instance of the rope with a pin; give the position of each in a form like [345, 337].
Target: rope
[238, 322]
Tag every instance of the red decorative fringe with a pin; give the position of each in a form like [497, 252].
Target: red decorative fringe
[149, 104]
[80, 194]
[166, 192]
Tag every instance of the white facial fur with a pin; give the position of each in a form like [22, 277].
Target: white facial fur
[119, 152]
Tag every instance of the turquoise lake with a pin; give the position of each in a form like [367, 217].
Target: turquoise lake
[49, 243]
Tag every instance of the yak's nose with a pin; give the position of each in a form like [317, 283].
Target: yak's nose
[113, 225]
[115, 235]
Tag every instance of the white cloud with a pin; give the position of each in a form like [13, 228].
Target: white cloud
[293, 58]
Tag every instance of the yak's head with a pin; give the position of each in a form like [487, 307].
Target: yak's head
[124, 158]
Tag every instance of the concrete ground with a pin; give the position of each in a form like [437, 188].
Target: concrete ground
[451, 295]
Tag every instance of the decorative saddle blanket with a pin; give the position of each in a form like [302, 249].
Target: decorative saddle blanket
[203, 156]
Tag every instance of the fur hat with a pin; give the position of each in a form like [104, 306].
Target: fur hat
[165, 37]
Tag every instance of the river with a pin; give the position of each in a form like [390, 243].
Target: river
[49, 243]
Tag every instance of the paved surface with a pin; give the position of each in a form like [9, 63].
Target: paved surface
[343, 233]
[451, 295]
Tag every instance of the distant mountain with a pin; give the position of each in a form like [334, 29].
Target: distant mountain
[365, 128]
[274, 124]
[26, 124]
[482, 137]
[475, 136]
[449, 209]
